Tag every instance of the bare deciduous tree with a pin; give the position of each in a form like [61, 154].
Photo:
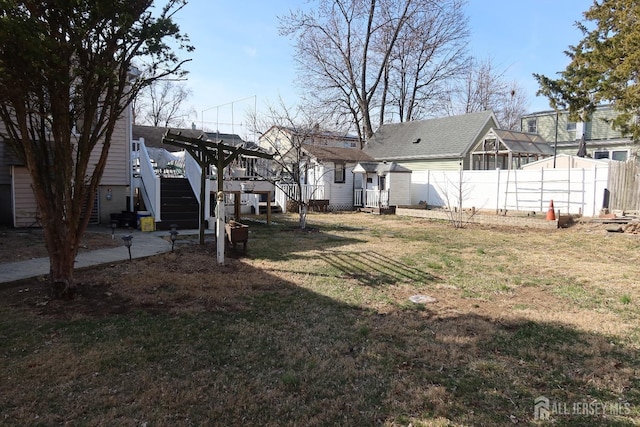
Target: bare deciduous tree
[358, 58]
[484, 87]
[429, 53]
[162, 104]
[284, 133]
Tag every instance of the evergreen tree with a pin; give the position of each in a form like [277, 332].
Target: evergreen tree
[604, 67]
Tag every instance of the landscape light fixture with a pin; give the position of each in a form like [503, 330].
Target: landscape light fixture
[127, 242]
[114, 225]
[174, 236]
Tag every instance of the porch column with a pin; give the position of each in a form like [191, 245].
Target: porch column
[269, 207]
[236, 205]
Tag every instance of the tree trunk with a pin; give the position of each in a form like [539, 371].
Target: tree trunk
[303, 215]
[62, 259]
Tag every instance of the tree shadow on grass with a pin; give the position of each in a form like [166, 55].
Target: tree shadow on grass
[192, 343]
[373, 269]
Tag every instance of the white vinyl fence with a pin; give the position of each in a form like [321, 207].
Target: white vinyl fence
[574, 191]
[286, 192]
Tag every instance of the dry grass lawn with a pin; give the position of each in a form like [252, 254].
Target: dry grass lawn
[317, 328]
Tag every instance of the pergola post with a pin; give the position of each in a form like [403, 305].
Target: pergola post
[220, 227]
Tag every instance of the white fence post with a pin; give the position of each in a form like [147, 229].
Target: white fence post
[541, 190]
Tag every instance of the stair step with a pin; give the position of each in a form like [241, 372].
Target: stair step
[182, 224]
[178, 204]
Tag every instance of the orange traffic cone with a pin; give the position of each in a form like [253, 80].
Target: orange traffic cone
[551, 213]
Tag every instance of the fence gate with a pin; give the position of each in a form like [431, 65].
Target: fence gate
[624, 185]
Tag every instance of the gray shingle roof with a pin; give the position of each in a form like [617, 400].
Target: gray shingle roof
[383, 167]
[444, 137]
[333, 154]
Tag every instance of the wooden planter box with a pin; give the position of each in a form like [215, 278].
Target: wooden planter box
[237, 233]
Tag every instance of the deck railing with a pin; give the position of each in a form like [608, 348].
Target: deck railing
[371, 198]
[285, 192]
[150, 182]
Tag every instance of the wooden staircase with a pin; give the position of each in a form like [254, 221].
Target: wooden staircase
[275, 209]
[178, 204]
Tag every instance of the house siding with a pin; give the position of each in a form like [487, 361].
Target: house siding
[546, 127]
[423, 165]
[599, 145]
[116, 168]
[5, 175]
[26, 210]
[598, 128]
[6, 205]
[17, 202]
[595, 129]
[340, 195]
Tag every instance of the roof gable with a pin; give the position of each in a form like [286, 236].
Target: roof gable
[521, 142]
[444, 137]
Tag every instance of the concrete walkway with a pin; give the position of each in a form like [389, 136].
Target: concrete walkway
[143, 245]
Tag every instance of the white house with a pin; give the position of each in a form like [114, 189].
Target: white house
[327, 177]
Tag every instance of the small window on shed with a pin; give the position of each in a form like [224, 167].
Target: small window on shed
[339, 173]
[571, 126]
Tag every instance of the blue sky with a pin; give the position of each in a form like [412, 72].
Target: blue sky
[241, 62]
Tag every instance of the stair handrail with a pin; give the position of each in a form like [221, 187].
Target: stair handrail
[150, 190]
[193, 172]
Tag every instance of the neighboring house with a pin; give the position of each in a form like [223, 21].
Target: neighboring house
[329, 172]
[601, 141]
[434, 144]
[280, 139]
[18, 207]
[507, 149]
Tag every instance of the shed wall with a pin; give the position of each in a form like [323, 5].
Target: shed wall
[399, 185]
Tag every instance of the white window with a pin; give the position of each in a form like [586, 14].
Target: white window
[618, 155]
[571, 126]
[531, 126]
